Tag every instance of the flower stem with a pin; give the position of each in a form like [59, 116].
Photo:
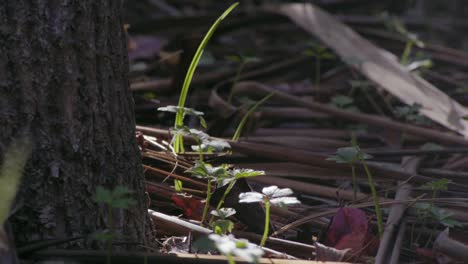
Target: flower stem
[353, 175]
[406, 52]
[267, 223]
[236, 79]
[231, 259]
[111, 227]
[317, 70]
[378, 212]
[226, 192]
[207, 201]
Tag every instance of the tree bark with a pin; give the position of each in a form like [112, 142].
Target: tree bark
[63, 83]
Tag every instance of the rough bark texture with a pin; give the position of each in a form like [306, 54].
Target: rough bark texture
[63, 82]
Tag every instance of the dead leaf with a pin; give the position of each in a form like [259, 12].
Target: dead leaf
[350, 230]
[192, 207]
[325, 253]
[379, 65]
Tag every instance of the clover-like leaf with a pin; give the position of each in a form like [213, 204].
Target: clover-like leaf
[341, 101]
[284, 201]
[349, 155]
[431, 146]
[222, 226]
[224, 213]
[246, 173]
[449, 222]
[184, 110]
[250, 197]
[438, 185]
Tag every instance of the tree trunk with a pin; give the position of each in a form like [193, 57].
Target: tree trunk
[63, 83]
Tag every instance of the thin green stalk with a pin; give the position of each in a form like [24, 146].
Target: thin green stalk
[406, 52]
[242, 123]
[267, 223]
[111, 226]
[353, 174]
[179, 120]
[378, 212]
[231, 259]
[207, 202]
[226, 192]
[236, 79]
[426, 215]
[317, 70]
[200, 151]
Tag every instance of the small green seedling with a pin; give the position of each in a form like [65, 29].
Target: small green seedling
[112, 199]
[431, 146]
[429, 210]
[211, 174]
[205, 143]
[244, 119]
[178, 186]
[183, 111]
[223, 225]
[320, 53]
[344, 102]
[241, 60]
[231, 247]
[179, 120]
[411, 114]
[271, 195]
[352, 155]
[395, 24]
[231, 178]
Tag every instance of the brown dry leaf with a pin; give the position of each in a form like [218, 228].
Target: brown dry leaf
[325, 253]
[380, 66]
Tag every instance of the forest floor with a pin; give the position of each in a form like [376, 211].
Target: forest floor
[357, 119]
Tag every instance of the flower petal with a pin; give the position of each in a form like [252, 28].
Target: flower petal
[270, 190]
[282, 201]
[250, 197]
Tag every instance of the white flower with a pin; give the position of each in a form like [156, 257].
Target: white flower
[274, 191]
[273, 194]
[229, 245]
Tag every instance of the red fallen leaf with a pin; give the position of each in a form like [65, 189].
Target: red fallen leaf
[192, 208]
[425, 253]
[350, 229]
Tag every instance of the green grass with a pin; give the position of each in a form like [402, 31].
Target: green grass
[179, 120]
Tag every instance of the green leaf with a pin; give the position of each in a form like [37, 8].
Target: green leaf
[341, 101]
[223, 226]
[103, 195]
[438, 185]
[120, 191]
[123, 203]
[104, 236]
[246, 173]
[178, 185]
[204, 244]
[242, 123]
[179, 121]
[10, 174]
[224, 213]
[449, 222]
[431, 146]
